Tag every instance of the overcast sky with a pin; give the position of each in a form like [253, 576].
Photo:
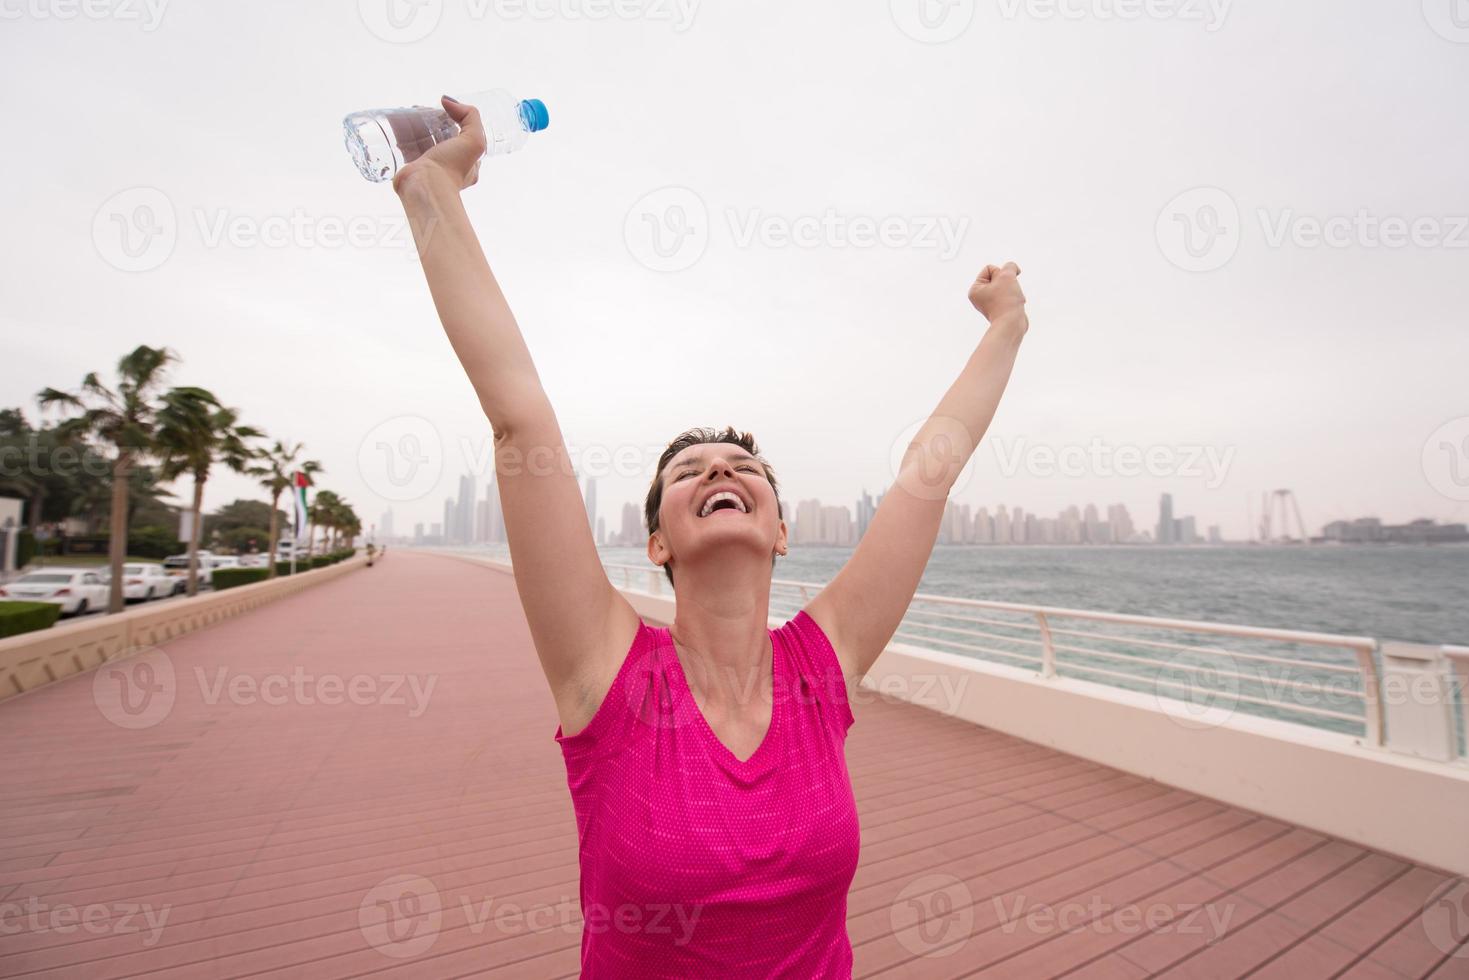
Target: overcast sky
[1242, 229]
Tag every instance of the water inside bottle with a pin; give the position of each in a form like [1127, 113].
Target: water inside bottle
[382, 141]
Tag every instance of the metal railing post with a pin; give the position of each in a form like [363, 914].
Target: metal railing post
[1458, 658]
[1371, 694]
[1048, 651]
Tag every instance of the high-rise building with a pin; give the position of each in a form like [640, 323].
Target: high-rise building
[808, 522]
[631, 534]
[385, 524]
[1166, 529]
[463, 530]
[1002, 526]
[601, 531]
[866, 508]
[1121, 522]
[591, 499]
[984, 527]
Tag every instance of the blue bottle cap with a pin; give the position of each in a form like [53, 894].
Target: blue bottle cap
[533, 115]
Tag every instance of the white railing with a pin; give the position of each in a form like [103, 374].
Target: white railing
[1318, 679]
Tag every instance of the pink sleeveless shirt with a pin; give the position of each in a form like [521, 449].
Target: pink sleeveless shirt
[695, 864]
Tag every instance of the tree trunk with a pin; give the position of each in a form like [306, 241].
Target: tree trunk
[274, 527]
[194, 534]
[117, 540]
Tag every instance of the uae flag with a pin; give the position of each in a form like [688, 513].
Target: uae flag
[298, 494]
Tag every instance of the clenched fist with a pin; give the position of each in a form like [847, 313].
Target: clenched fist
[996, 293]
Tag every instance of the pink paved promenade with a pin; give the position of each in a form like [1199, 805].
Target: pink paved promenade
[361, 780]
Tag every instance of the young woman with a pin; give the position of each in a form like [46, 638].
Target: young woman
[718, 831]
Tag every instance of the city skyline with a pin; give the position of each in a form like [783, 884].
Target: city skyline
[813, 521]
[828, 352]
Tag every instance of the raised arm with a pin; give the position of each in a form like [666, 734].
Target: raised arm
[861, 607]
[580, 624]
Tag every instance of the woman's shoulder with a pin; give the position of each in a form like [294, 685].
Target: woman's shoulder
[584, 705]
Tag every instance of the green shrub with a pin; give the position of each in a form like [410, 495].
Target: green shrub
[228, 578]
[152, 541]
[25, 549]
[321, 561]
[23, 617]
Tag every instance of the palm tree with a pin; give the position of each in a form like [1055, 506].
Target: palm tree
[275, 473]
[194, 432]
[323, 514]
[125, 419]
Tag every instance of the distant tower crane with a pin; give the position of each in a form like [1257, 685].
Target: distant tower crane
[1283, 503]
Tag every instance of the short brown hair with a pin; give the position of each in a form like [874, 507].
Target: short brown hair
[699, 437]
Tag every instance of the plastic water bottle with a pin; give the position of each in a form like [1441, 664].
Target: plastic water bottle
[382, 141]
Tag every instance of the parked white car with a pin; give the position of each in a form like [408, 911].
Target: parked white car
[226, 561]
[178, 567]
[145, 580]
[75, 590]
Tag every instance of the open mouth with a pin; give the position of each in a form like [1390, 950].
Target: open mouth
[724, 500]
